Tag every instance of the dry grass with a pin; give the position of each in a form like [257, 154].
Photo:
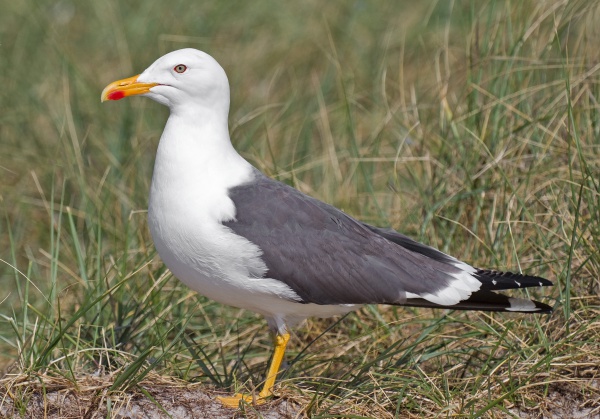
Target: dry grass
[470, 126]
[352, 379]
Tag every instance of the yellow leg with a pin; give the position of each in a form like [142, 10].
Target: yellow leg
[280, 342]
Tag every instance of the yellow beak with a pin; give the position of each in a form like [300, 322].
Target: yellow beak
[126, 87]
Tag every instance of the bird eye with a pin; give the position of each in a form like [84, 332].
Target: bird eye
[180, 68]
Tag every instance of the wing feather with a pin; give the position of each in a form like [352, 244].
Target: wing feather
[327, 257]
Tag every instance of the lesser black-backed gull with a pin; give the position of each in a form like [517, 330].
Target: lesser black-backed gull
[243, 239]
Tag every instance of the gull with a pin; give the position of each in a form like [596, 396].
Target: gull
[240, 238]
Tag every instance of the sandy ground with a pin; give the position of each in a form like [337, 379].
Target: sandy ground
[177, 402]
[25, 399]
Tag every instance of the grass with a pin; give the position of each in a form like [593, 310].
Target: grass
[470, 126]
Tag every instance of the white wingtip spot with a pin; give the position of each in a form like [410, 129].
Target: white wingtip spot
[521, 304]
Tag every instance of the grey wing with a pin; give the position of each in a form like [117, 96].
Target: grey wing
[327, 257]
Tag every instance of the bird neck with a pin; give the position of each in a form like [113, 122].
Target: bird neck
[196, 163]
[203, 133]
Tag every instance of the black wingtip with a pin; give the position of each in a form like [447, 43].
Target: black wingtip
[494, 280]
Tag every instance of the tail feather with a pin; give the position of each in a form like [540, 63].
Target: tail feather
[487, 301]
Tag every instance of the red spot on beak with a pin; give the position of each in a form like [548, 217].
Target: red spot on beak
[116, 95]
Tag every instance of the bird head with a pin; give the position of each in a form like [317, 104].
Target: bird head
[183, 77]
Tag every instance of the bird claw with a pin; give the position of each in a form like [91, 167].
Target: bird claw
[234, 401]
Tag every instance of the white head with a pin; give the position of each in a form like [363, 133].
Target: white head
[182, 80]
